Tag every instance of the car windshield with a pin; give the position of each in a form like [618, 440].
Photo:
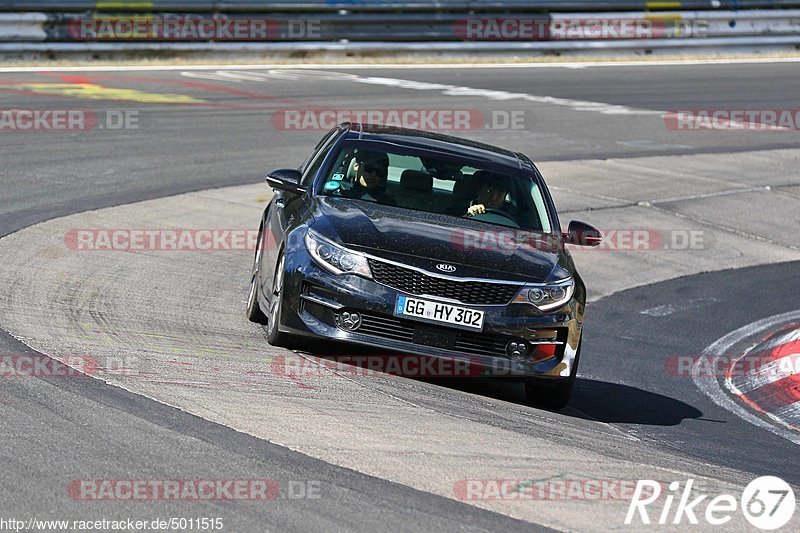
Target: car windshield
[436, 182]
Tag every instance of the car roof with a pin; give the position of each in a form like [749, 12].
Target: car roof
[438, 142]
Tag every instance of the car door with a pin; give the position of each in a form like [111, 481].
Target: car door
[287, 208]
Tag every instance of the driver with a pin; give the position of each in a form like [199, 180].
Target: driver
[492, 193]
[371, 170]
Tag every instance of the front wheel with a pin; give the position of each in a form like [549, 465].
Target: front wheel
[254, 312]
[274, 336]
[540, 394]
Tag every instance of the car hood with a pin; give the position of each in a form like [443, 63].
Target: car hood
[427, 240]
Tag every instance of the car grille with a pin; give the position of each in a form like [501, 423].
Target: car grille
[466, 342]
[415, 282]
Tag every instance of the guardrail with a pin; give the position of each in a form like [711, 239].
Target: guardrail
[22, 27]
[530, 6]
[331, 27]
[406, 28]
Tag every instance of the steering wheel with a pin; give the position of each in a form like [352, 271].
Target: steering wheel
[488, 211]
[492, 213]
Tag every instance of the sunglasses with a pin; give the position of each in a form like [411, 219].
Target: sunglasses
[373, 168]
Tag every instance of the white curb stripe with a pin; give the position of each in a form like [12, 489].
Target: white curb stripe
[709, 385]
[766, 374]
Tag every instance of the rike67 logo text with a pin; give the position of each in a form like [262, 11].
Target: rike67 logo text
[767, 503]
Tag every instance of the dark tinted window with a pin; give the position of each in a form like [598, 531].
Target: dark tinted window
[439, 183]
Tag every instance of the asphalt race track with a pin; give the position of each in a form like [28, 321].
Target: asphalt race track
[187, 389]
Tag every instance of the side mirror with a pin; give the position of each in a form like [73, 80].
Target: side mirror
[582, 234]
[286, 179]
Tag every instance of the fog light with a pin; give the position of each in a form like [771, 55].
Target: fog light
[517, 350]
[348, 320]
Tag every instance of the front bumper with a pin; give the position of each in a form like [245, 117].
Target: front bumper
[312, 297]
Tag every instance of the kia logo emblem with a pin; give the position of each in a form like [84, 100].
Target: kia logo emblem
[444, 267]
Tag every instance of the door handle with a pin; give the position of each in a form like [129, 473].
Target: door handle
[280, 202]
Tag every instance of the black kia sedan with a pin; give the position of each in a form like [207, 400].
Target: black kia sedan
[420, 243]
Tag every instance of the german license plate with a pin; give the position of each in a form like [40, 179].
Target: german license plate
[438, 312]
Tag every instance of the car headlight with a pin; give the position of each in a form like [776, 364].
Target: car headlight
[546, 296]
[334, 258]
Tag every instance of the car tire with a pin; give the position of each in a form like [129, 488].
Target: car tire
[541, 394]
[254, 312]
[274, 336]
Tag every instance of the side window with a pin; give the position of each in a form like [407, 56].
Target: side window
[541, 208]
[311, 168]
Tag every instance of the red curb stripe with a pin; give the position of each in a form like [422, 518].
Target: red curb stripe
[741, 371]
[777, 394]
